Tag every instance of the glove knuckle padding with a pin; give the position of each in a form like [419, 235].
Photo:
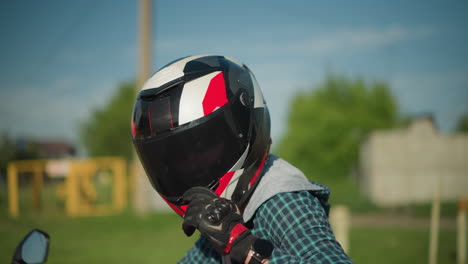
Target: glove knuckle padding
[216, 218]
[217, 221]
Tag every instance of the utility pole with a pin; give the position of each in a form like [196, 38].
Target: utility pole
[435, 221]
[144, 61]
[461, 230]
[145, 197]
[142, 188]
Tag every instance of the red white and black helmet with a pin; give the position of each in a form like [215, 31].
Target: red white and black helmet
[202, 121]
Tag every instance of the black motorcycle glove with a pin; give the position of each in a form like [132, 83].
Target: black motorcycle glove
[220, 221]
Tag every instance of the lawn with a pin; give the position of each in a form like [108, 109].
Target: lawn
[346, 192]
[125, 238]
[399, 245]
[158, 238]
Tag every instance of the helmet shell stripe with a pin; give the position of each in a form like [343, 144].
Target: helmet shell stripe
[258, 95]
[169, 73]
[223, 182]
[231, 186]
[215, 95]
[191, 99]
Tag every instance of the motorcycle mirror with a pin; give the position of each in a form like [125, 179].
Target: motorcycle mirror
[33, 249]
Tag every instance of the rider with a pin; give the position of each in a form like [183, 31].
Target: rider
[201, 128]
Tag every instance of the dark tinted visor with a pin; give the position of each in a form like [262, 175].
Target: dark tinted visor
[195, 154]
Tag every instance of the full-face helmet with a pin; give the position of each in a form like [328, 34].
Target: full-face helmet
[202, 121]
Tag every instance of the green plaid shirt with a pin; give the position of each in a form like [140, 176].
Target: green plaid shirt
[296, 223]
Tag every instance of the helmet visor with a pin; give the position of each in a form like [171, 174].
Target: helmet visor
[195, 154]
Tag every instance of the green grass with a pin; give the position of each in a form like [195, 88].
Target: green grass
[346, 192]
[125, 238]
[391, 244]
[158, 238]
[399, 245]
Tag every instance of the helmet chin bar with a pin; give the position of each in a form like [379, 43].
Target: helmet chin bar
[180, 210]
[249, 181]
[249, 184]
[256, 158]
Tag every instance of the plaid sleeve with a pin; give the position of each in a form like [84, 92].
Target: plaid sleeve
[297, 225]
[201, 252]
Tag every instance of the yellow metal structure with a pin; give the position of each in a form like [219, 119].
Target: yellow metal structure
[81, 192]
[36, 167]
[78, 190]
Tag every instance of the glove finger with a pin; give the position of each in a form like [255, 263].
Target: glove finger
[198, 192]
[191, 217]
[189, 225]
[188, 229]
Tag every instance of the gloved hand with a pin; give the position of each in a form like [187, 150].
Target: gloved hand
[219, 220]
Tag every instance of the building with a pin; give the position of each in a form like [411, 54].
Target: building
[55, 149]
[404, 165]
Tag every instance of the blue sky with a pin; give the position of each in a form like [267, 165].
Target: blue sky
[59, 60]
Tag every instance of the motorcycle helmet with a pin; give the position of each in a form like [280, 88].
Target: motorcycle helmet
[202, 121]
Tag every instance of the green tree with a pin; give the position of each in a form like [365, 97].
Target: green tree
[326, 125]
[7, 151]
[462, 124]
[107, 132]
[16, 149]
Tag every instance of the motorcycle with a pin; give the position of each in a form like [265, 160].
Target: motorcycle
[33, 249]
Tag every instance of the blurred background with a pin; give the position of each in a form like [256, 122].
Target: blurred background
[367, 97]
